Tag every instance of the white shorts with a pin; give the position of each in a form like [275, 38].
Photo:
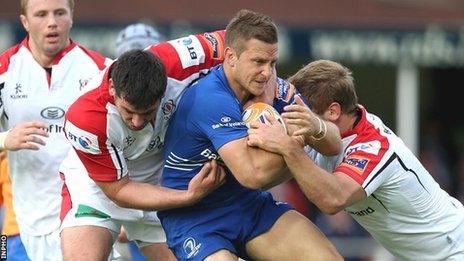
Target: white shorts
[45, 247]
[143, 233]
[90, 206]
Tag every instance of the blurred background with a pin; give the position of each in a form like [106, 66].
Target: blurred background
[407, 57]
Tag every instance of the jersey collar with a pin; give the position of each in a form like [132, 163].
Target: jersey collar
[59, 55]
[359, 126]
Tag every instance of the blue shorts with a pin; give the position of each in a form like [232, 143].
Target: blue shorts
[194, 234]
[15, 249]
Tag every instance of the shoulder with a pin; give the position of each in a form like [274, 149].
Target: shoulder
[210, 91]
[99, 60]
[86, 123]
[87, 112]
[5, 57]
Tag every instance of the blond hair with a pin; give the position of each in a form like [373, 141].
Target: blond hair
[322, 82]
[25, 2]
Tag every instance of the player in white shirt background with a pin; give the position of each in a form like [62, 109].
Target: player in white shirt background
[39, 78]
[376, 179]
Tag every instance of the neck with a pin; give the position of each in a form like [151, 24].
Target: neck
[347, 122]
[241, 93]
[44, 58]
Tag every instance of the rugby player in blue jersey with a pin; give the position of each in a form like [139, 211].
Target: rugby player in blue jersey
[239, 219]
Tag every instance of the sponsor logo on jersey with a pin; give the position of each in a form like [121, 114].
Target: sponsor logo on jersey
[190, 51]
[207, 153]
[85, 142]
[168, 108]
[285, 91]
[371, 147]
[18, 92]
[155, 144]
[214, 44]
[356, 164]
[363, 212]
[54, 128]
[82, 140]
[386, 130]
[52, 113]
[129, 140]
[187, 41]
[225, 121]
[83, 83]
[191, 248]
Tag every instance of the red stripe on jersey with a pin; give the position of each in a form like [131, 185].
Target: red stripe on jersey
[66, 202]
[63, 52]
[89, 113]
[360, 163]
[96, 57]
[6, 56]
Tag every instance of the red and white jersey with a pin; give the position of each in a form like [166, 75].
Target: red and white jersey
[29, 93]
[106, 147]
[405, 209]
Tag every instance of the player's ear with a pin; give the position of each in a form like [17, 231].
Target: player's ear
[230, 56]
[334, 111]
[111, 88]
[24, 22]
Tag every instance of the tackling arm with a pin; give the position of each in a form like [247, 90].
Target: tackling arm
[330, 192]
[253, 167]
[130, 194]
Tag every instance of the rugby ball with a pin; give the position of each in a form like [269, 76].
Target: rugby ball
[257, 111]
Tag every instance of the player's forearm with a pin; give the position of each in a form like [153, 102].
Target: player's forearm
[319, 186]
[149, 197]
[330, 144]
[269, 168]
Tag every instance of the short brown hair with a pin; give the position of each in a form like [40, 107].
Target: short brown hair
[322, 82]
[24, 5]
[246, 25]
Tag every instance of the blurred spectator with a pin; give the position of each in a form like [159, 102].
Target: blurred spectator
[340, 227]
[460, 178]
[15, 248]
[137, 36]
[434, 156]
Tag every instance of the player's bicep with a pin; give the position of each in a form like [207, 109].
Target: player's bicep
[351, 191]
[236, 156]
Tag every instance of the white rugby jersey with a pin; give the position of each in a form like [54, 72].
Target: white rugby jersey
[107, 148]
[30, 93]
[405, 209]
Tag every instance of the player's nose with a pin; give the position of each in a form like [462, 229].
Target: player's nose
[138, 121]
